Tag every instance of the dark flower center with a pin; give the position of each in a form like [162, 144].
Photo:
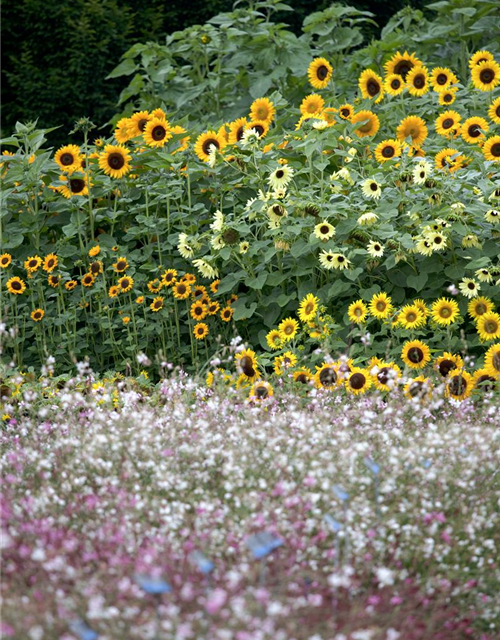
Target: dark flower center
[345, 113]
[445, 366]
[474, 131]
[324, 229]
[415, 355]
[383, 375]
[496, 361]
[280, 173]
[66, 159]
[480, 309]
[116, 161]
[419, 81]
[95, 267]
[491, 326]
[471, 286]
[416, 389]
[445, 312]
[373, 186]
[380, 306]
[208, 143]
[261, 392]
[447, 97]
[16, 285]
[457, 385]
[142, 124]
[403, 67]
[486, 76]
[447, 123]
[357, 381]
[322, 72]
[158, 132]
[181, 289]
[388, 152]
[302, 378]
[487, 383]
[259, 128]
[77, 185]
[411, 316]
[395, 83]
[158, 304]
[442, 78]
[328, 376]
[373, 87]
[246, 364]
[495, 150]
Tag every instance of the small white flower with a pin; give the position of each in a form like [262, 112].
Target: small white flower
[384, 576]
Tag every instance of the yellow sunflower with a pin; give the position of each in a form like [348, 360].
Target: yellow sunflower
[260, 126]
[120, 265]
[486, 75]
[87, 280]
[381, 306]
[115, 161]
[320, 72]
[226, 313]
[326, 376]
[387, 150]
[449, 160]
[73, 186]
[50, 263]
[181, 290]
[358, 381]
[491, 149]
[68, 158]
[415, 354]
[448, 96]
[473, 129]
[236, 130]
[371, 85]
[200, 331]
[441, 78]
[385, 375]
[482, 380]
[262, 110]
[447, 362]
[492, 360]
[494, 111]
[447, 123]
[418, 388]
[122, 131]
[32, 264]
[369, 126]
[273, 339]
[304, 376]
[477, 307]
[357, 312]
[157, 132]
[410, 317]
[198, 311]
[16, 286]
[288, 329]
[308, 308]
[37, 315]
[247, 364]
[261, 390]
[312, 105]
[5, 260]
[480, 56]
[169, 277]
[444, 311]
[137, 123]
[346, 111]
[157, 304]
[125, 284]
[488, 326]
[113, 291]
[459, 385]
[70, 285]
[394, 84]
[412, 127]
[401, 64]
[205, 141]
[417, 81]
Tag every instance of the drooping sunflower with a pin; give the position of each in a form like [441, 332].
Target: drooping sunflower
[319, 72]
[412, 127]
[357, 312]
[449, 160]
[157, 132]
[247, 364]
[459, 385]
[205, 141]
[16, 286]
[87, 280]
[262, 110]
[482, 380]
[491, 149]
[32, 264]
[370, 123]
[419, 388]
[494, 111]
[157, 304]
[68, 158]
[417, 81]
[480, 56]
[304, 376]
[236, 130]
[5, 260]
[308, 308]
[125, 284]
[381, 306]
[387, 150]
[50, 262]
[473, 129]
[447, 362]
[401, 64]
[447, 123]
[488, 326]
[415, 354]
[326, 376]
[137, 123]
[358, 381]
[226, 313]
[371, 85]
[441, 78]
[312, 105]
[486, 75]
[115, 161]
[346, 111]
[444, 311]
[288, 329]
[477, 307]
[385, 375]
[492, 360]
[410, 317]
[394, 84]
[37, 315]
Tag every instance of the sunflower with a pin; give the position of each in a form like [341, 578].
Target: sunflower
[328, 116]
[262, 110]
[125, 284]
[478, 57]
[385, 375]
[73, 186]
[330, 260]
[486, 75]
[371, 85]
[273, 339]
[113, 291]
[410, 317]
[139, 300]
[324, 230]
[87, 280]
[157, 132]
[120, 265]
[181, 290]
[319, 72]
[394, 84]
[188, 278]
[122, 131]
[449, 160]
[448, 96]
[401, 64]
[447, 123]
[137, 123]
[16, 286]
[70, 285]
[284, 362]
[441, 78]
[491, 149]
[226, 313]
[418, 388]
[302, 375]
[115, 161]
[236, 130]
[346, 111]
[447, 362]
[247, 364]
[308, 308]
[381, 306]
[214, 286]
[387, 150]
[417, 81]
[326, 376]
[205, 141]
[198, 311]
[37, 315]
[199, 291]
[94, 251]
[473, 129]
[68, 158]
[494, 111]
[482, 380]
[412, 127]
[375, 249]
[444, 311]
[50, 263]
[54, 281]
[357, 312]
[169, 277]
[488, 326]
[469, 287]
[358, 381]
[212, 307]
[369, 126]
[492, 360]
[261, 390]
[459, 385]
[312, 105]
[261, 127]
[157, 304]
[5, 260]
[415, 354]
[477, 307]
[288, 329]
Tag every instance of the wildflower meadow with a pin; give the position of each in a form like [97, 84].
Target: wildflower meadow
[250, 338]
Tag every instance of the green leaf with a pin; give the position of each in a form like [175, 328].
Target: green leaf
[125, 68]
[417, 282]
